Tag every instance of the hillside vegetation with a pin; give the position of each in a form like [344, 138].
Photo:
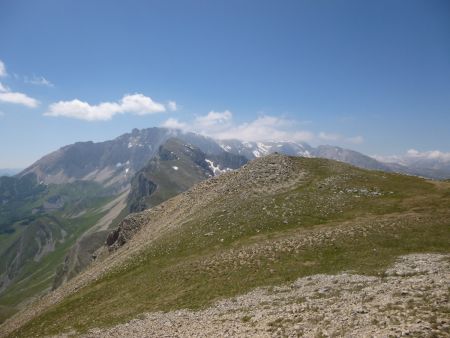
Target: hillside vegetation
[276, 219]
[38, 224]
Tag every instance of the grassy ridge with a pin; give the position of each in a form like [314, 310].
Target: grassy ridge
[339, 218]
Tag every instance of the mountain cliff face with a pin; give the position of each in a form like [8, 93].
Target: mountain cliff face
[110, 163]
[274, 220]
[176, 168]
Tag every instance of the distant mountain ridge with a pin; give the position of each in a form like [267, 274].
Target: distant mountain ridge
[113, 163]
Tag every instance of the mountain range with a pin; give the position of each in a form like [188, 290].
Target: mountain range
[57, 213]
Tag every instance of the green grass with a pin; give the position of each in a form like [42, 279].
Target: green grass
[36, 277]
[199, 262]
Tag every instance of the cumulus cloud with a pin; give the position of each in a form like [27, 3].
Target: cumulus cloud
[220, 125]
[214, 118]
[172, 123]
[137, 104]
[38, 81]
[18, 98]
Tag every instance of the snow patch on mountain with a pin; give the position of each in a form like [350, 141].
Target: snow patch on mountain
[263, 148]
[256, 153]
[216, 169]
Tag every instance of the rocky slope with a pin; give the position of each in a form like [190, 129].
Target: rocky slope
[410, 299]
[269, 223]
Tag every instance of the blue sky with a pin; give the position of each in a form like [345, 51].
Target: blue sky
[373, 76]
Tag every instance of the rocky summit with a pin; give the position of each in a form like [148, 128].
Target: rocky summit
[283, 246]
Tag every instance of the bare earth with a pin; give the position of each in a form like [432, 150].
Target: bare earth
[410, 299]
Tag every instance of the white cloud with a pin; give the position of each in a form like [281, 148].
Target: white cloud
[8, 96]
[39, 81]
[172, 106]
[220, 125]
[2, 69]
[214, 119]
[413, 155]
[172, 123]
[428, 155]
[18, 98]
[137, 104]
[266, 128]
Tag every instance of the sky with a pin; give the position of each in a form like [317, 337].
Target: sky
[373, 76]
